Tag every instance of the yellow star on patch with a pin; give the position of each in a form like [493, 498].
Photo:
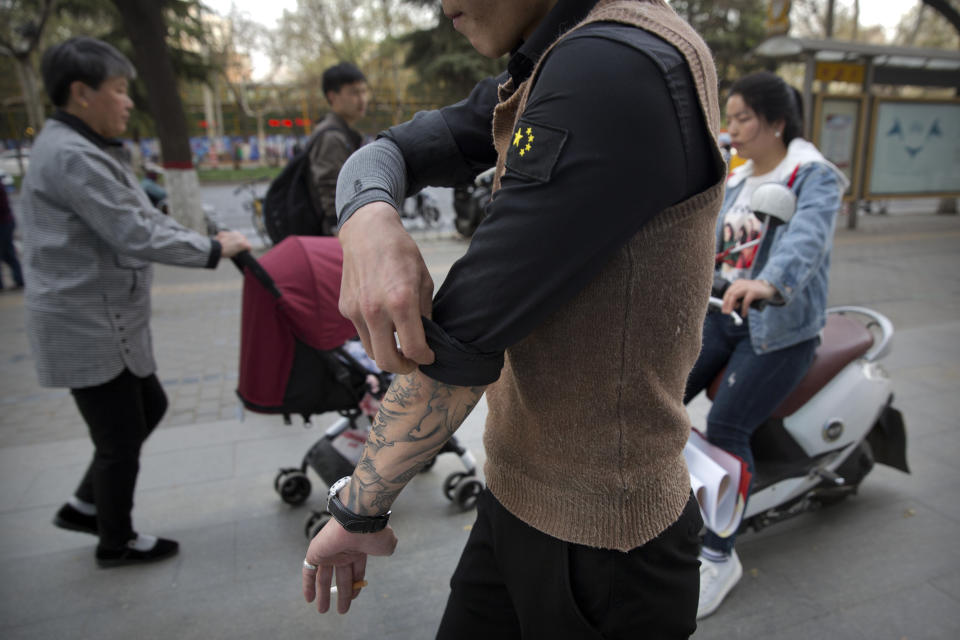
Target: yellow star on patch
[527, 148]
[529, 137]
[517, 138]
[522, 152]
[529, 130]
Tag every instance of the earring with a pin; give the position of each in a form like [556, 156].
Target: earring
[777, 134]
[83, 103]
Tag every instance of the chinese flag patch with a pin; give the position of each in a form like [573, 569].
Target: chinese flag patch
[534, 149]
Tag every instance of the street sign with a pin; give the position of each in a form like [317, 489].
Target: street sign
[778, 17]
[840, 72]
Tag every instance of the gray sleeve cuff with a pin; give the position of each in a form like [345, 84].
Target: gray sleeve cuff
[375, 173]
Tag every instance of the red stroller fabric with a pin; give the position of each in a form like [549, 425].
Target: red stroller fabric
[306, 270]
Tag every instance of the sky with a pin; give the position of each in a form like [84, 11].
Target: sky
[266, 12]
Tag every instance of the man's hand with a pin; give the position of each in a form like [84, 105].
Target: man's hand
[417, 416]
[386, 288]
[336, 550]
[749, 291]
[232, 243]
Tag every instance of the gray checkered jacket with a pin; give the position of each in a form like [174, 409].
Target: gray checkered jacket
[90, 235]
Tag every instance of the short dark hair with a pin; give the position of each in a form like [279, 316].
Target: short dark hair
[773, 100]
[340, 74]
[88, 60]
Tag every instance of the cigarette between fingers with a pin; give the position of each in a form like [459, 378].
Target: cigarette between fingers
[359, 584]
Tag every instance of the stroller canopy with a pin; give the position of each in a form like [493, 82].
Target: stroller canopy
[306, 272]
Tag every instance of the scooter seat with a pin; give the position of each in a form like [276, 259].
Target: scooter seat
[843, 341]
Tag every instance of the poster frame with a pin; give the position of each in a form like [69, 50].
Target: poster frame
[821, 104]
[872, 149]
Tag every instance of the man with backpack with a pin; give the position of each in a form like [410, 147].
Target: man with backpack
[334, 139]
[301, 200]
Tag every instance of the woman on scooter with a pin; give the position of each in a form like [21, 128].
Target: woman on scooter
[768, 355]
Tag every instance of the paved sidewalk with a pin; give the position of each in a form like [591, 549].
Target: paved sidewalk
[884, 564]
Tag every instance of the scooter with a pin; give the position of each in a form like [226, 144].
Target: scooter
[820, 443]
[421, 205]
[470, 202]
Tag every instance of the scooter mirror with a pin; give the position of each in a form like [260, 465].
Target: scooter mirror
[775, 201]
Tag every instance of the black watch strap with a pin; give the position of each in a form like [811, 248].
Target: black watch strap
[352, 522]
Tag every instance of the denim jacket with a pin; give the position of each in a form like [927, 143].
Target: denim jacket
[795, 257]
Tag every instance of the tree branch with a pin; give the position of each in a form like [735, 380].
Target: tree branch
[946, 10]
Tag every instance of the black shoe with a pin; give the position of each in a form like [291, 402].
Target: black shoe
[69, 518]
[164, 548]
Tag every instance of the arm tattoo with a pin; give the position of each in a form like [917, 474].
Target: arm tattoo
[416, 418]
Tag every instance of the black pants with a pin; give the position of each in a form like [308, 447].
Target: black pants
[120, 414]
[516, 582]
[8, 253]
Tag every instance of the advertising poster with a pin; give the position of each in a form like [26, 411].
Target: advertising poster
[916, 149]
[839, 122]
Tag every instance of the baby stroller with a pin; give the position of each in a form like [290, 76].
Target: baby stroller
[299, 356]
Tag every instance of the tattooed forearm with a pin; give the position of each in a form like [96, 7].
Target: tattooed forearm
[417, 416]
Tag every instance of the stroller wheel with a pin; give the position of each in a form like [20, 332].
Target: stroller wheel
[314, 522]
[279, 477]
[293, 487]
[450, 484]
[467, 493]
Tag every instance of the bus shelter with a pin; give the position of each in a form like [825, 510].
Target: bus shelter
[889, 147]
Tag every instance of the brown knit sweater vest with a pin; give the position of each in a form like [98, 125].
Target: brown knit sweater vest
[586, 424]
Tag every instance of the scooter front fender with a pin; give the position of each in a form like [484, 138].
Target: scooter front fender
[888, 439]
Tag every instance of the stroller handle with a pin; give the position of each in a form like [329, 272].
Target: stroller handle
[245, 260]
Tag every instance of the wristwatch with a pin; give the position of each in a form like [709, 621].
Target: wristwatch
[348, 519]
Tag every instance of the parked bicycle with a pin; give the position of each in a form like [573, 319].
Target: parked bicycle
[253, 202]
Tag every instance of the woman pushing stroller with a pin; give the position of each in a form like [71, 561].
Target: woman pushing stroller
[90, 236]
[767, 356]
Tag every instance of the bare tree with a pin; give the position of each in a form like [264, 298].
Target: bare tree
[924, 27]
[947, 10]
[232, 40]
[826, 18]
[323, 31]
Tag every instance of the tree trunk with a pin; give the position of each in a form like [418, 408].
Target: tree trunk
[829, 19]
[856, 19]
[31, 98]
[210, 114]
[144, 24]
[262, 137]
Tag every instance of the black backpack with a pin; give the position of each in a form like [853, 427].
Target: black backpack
[287, 207]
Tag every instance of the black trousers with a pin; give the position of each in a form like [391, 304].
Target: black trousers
[514, 581]
[120, 414]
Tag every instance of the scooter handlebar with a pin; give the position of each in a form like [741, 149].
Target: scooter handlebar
[720, 286]
[718, 303]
